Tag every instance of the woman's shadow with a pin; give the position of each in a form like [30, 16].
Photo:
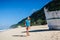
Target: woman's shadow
[33, 31]
[19, 35]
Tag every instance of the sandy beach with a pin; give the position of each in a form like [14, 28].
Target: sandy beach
[39, 32]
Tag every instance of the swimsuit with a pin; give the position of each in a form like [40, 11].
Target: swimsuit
[27, 23]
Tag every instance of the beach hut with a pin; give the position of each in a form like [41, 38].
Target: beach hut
[52, 13]
[53, 19]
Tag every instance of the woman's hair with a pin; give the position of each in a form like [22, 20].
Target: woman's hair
[28, 18]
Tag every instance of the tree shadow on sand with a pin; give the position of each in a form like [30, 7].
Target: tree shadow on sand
[43, 30]
[19, 35]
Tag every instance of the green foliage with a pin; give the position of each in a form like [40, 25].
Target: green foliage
[14, 26]
[38, 18]
[54, 5]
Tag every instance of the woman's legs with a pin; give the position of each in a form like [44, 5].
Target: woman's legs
[27, 31]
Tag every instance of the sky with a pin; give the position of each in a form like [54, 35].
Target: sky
[13, 11]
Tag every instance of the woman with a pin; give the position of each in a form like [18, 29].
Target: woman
[27, 24]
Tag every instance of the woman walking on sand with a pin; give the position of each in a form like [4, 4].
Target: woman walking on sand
[27, 24]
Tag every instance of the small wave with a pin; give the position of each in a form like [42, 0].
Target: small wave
[3, 30]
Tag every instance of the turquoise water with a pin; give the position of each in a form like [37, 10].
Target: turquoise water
[3, 27]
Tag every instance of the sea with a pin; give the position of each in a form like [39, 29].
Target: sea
[3, 28]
